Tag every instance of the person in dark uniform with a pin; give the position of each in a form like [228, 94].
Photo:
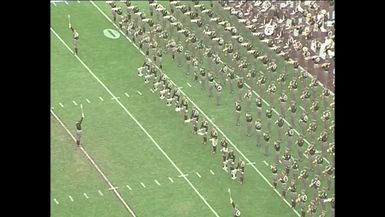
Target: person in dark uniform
[277, 148]
[315, 184]
[225, 151]
[203, 131]
[328, 173]
[279, 122]
[214, 140]
[286, 160]
[258, 102]
[218, 88]
[258, 127]
[237, 112]
[233, 171]
[79, 130]
[303, 175]
[289, 134]
[269, 115]
[240, 88]
[293, 194]
[236, 211]
[283, 181]
[299, 142]
[249, 123]
[230, 79]
[301, 199]
[274, 171]
[266, 137]
[310, 151]
[202, 78]
[241, 169]
[210, 78]
[75, 36]
[194, 119]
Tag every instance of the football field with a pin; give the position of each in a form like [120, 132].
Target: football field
[138, 157]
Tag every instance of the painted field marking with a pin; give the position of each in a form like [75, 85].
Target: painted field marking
[152, 90]
[85, 152]
[101, 99]
[189, 84]
[85, 195]
[172, 181]
[66, 2]
[113, 188]
[101, 194]
[265, 163]
[115, 98]
[143, 185]
[212, 172]
[139, 92]
[61, 105]
[156, 181]
[251, 163]
[71, 198]
[73, 101]
[126, 94]
[88, 100]
[199, 175]
[54, 4]
[78, 1]
[129, 187]
[57, 202]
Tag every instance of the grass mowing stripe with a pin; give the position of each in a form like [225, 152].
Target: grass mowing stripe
[263, 177]
[94, 164]
[136, 121]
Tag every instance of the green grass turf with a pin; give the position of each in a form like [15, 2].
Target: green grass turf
[123, 151]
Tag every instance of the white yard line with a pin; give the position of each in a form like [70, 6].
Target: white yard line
[251, 163]
[183, 175]
[265, 163]
[199, 175]
[156, 181]
[101, 99]
[135, 120]
[57, 202]
[66, 2]
[189, 84]
[129, 187]
[73, 101]
[152, 90]
[236, 148]
[61, 105]
[113, 188]
[143, 185]
[88, 100]
[85, 195]
[212, 172]
[93, 162]
[101, 194]
[54, 4]
[126, 94]
[139, 92]
[172, 181]
[71, 198]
